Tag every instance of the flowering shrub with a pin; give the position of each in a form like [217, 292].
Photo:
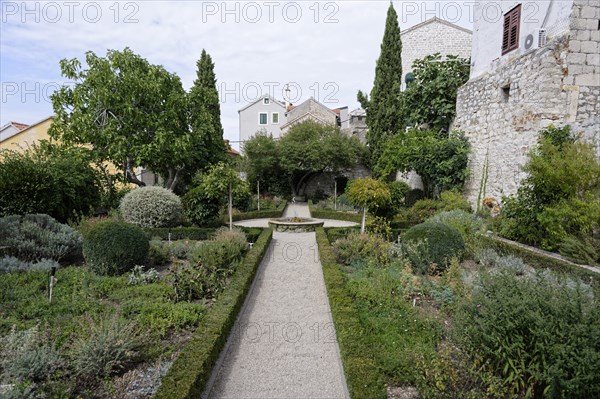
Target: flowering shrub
[151, 207]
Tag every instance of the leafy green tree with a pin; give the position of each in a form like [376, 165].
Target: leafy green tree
[441, 162]
[56, 180]
[368, 193]
[221, 180]
[384, 117]
[262, 163]
[131, 113]
[431, 98]
[310, 148]
[204, 96]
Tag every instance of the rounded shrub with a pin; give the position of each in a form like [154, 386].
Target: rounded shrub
[199, 207]
[443, 242]
[151, 207]
[113, 247]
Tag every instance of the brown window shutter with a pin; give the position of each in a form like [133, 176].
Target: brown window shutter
[511, 29]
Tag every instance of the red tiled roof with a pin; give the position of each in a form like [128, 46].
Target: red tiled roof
[231, 151]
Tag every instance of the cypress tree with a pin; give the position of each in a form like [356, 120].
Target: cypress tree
[205, 110]
[383, 107]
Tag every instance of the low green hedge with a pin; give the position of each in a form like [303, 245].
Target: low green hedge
[196, 233]
[263, 214]
[334, 215]
[362, 375]
[189, 374]
[539, 260]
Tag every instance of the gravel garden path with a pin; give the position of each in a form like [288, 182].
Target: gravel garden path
[283, 344]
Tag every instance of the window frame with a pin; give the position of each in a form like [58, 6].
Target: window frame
[272, 118]
[511, 22]
[266, 114]
[266, 101]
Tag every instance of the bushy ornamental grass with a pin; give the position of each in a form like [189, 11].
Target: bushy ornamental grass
[152, 207]
[113, 247]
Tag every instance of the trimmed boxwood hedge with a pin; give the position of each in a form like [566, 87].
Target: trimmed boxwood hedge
[362, 374]
[113, 247]
[334, 215]
[538, 260]
[197, 233]
[264, 214]
[190, 372]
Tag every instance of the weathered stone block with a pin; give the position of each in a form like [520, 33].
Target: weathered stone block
[575, 46]
[595, 35]
[582, 35]
[589, 47]
[575, 59]
[590, 79]
[588, 12]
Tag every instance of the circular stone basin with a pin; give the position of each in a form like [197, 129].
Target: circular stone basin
[295, 224]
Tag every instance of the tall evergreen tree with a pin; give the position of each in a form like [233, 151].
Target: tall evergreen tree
[203, 106]
[384, 107]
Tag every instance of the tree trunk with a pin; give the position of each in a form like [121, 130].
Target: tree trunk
[258, 193]
[173, 179]
[130, 174]
[302, 183]
[364, 219]
[230, 207]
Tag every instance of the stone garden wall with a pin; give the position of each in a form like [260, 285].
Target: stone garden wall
[503, 110]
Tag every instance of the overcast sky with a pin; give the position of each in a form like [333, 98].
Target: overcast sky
[324, 49]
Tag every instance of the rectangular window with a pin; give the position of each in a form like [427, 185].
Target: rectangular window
[275, 118]
[266, 101]
[511, 28]
[262, 118]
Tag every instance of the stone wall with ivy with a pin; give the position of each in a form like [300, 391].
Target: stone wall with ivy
[503, 111]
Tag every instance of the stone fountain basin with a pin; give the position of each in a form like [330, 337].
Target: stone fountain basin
[295, 224]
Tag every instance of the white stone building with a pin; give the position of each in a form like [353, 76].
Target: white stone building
[433, 36]
[539, 64]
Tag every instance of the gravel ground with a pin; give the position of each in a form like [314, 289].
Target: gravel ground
[283, 344]
[300, 210]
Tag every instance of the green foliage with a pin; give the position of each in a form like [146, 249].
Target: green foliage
[549, 346]
[189, 374]
[211, 264]
[443, 242]
[264, 213]
[10, 264]
[109, 346]
[203, 100]
[158, 253]
[361, 249]
[151, 207]
[364, 377]
[113, 247]
[331, 214]
[384, 113]
[415, 253]
[398, 191]
[182, 233]
[56, 180]
[440, 161]
[368, 193]
[199, 207]
[467, 224]
[412, 196]
[309, 148]
[559, 197]
[26, 356]
[37, 237]
[431, 98]
[133, 113]
[578, 251]
[262, 163]
[182, 249]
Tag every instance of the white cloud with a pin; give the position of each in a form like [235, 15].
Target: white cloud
[309, 52]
